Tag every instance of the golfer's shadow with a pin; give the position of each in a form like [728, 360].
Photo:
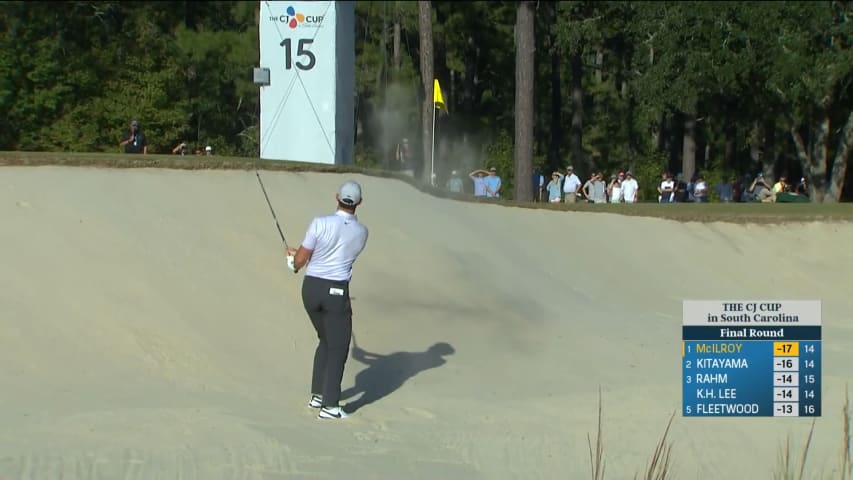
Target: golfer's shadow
[386, 373]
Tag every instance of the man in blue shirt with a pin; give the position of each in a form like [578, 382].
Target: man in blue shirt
[479, 179]
[493, 184]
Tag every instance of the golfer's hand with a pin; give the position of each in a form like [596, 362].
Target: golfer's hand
[291, 252]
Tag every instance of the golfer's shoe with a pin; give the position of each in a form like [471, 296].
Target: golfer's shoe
[332, 413]
[316, 401]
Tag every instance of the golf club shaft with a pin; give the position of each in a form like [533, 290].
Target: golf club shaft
[271, 209]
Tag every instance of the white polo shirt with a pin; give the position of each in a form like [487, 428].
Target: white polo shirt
[571, 184]
[336, 240]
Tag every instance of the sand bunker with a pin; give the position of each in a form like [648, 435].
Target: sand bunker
[149, 328]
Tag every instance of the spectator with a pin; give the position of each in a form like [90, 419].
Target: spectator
[208, 150]
[555, 192]
[595, 190]
[134, 140]
[662, 179]
[493, 184]
[404, 159]
[454, 184]
[725, 190]
[781, 186]
[680, 189]
[630, 188]
[614, 190]
[182, 149]
[802, 187]
[700, 190]
[571, 184]
[746, 194]
[691, 188]
[760, 191]
[479, 179]
[667, 189]
[538, 184]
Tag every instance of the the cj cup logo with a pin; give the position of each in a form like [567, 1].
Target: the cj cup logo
[294, 20]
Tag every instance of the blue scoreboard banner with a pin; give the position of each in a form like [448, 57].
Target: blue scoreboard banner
[758, 358]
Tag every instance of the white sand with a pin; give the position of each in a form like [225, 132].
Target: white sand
[149, 329]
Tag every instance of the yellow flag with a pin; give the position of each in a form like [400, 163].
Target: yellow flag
[437, 99]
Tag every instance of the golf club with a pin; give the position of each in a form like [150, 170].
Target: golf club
[290, 259]
[271, 209]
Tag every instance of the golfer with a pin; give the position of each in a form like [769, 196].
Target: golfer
[330, 248]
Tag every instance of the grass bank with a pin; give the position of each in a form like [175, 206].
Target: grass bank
[742, 213]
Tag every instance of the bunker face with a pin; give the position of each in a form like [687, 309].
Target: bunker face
[149, 328]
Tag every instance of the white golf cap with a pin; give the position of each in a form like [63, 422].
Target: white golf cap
[350, 193]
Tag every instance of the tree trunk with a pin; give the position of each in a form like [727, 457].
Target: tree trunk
[599, 65]
[813, 158]
[554, 149]
[525, 47]
[425, 31]
[839, 163]
[397, 53]
[470, 80]
[383, 49]
[730, 155]
[576, 139]
[688, 151]
[769, 152]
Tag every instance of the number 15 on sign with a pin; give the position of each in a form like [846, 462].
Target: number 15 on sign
[301, 51]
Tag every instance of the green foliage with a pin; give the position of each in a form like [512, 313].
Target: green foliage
[498, 153]
[647, 170]
[714, 176]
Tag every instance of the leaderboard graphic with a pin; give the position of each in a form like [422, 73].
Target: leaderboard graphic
[751, 358]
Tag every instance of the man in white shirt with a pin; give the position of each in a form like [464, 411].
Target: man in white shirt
[571, 184]
[331, 246]
[630, 188]
[667, 189]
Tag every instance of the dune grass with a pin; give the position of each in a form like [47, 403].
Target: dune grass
[659, 466]
[787, 467]
[596, 460]
[785, 470]
[753, 213]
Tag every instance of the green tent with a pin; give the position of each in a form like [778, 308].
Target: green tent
[788, 197]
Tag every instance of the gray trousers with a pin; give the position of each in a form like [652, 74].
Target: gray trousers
[327, 303]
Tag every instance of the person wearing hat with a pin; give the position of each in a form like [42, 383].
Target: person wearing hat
[571, 185]
[614, 189]
[134, 140]
[479, 178]
[493, 184]
[331, 246]
[555, 194]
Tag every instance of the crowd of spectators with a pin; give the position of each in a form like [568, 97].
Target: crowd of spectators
[622, 187]
[135, 141]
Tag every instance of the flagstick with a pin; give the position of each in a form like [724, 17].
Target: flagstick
[432, 157]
